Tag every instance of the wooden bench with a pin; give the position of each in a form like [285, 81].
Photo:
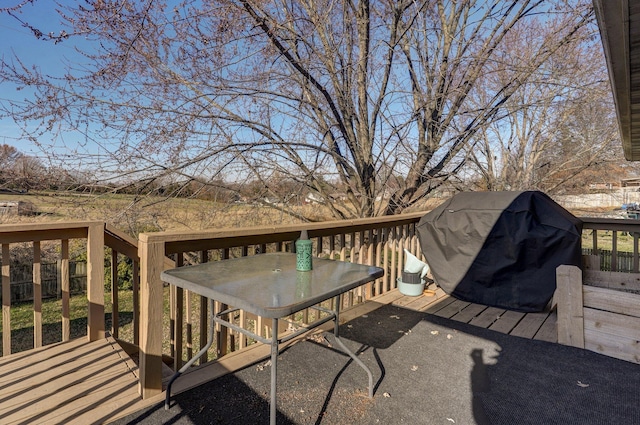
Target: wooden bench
[599, 311]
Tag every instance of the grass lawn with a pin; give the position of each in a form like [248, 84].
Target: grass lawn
[22, 321]
[605, 240]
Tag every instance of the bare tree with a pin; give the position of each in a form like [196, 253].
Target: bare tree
[335, 96]
[8, 156]
[20, 172]
[559, 124]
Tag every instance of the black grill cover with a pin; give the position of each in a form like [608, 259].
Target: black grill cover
[500, 248]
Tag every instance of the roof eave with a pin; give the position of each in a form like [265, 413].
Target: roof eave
[613, 21]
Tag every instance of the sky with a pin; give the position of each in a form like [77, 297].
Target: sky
[15, 39]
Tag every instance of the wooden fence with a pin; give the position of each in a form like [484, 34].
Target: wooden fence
[624, 259]
[51, 274]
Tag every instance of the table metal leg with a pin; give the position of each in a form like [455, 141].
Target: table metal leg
[346, 349]
[274, 371]
[192, 360]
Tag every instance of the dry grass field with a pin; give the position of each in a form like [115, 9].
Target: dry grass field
[135, 215]
[147, 214]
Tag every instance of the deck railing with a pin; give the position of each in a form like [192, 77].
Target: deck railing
[377, 241]
[615, 233]
[124, 245]
[96, 235]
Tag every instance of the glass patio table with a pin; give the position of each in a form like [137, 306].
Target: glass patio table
[269, 285]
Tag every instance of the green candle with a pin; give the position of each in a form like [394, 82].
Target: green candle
[303, 252]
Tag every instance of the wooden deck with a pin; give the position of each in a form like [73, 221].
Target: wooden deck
[82, 382]
[540, 326]
[76, 382]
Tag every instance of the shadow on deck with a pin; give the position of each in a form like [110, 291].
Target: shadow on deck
[94, 382]
[432, 364]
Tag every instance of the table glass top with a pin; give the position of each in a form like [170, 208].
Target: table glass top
[269, 284]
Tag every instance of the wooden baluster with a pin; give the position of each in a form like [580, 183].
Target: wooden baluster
[37, 296]
[406, 237]
[362, 255]
[6, 300]
[379, 246]
[172, 321]
[353, 252]
[136, 302]
[614, 251]
[222, 332]
[204, 315]
[188, 314]
[342, 255]
[352, 247]
[260, 326]
[115, 319]
[401, 247]
[414, 246]
[370, 247]
[394, 246]
[179, 318]
[352, 258]
[242, 342]
[635, 252]
[332, 247]
[385, 260]
[346, 257]
[63, 276]
[414, 240]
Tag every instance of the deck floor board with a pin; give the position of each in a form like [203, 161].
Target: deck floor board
[487, 317]
[423, 302]
[75, 382]
[549, 329]
[438, 305]
[469, 313]
[452, 309]
[507, 321]
[530, 324]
